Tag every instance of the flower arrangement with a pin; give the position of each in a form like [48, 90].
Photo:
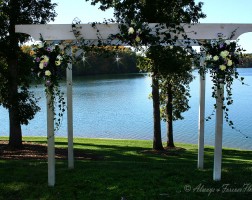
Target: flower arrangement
[223, 56]
[134, 34]
[50, 63]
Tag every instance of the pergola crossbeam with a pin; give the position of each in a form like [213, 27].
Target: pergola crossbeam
[64, 31]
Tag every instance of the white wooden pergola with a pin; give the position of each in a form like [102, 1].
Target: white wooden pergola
[194, 32]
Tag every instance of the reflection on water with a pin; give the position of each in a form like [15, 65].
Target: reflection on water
[117, 106]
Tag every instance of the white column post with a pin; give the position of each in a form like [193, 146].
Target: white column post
[50, 142]
[201, 122]
[70, 114]
[218, 134]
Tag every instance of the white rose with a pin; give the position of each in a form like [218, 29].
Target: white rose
[48, 73]
[171, 47]
[227, 42]
[208, 57]
[131, 30]
[59, 57]
[224, 54]
[222, 67]
[138, 39]
[41, 65]
[229, 63]
[215, 58]
[40, 45]
[44, 58]
[57, 62]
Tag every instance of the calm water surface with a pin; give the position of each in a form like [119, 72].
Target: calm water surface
[117, 106]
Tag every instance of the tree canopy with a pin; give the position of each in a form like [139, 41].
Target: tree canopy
[15, 65]
[162, 11]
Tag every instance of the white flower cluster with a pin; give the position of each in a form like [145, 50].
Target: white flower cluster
[43, 63]
[225, 56]
[131, 31]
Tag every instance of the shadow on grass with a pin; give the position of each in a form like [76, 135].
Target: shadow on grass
[124, 153]
[125, 173]
[129, 153]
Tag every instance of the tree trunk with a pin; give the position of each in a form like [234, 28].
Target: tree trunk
[170, 142]
[157, 139]
[15, 138]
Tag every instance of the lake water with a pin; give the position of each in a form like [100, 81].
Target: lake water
[117, 106]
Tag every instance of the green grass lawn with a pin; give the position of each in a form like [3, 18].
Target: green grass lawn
[127, 173]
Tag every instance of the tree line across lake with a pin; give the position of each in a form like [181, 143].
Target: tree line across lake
[247, 61]
[115, 61]
[123, 62]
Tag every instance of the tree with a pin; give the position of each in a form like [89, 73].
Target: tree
[174, 66]
[148, 64]
[170, 13]
[14, 92]
[174, 83]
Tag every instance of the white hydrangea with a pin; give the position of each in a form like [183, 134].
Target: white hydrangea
[224, 54]
[48, 73]
[215, 58]
[222, 67]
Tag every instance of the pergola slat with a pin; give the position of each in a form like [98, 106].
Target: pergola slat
[64, 31]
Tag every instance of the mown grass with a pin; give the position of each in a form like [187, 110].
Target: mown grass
[127, 173]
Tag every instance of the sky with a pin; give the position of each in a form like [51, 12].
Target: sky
[217, 11]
